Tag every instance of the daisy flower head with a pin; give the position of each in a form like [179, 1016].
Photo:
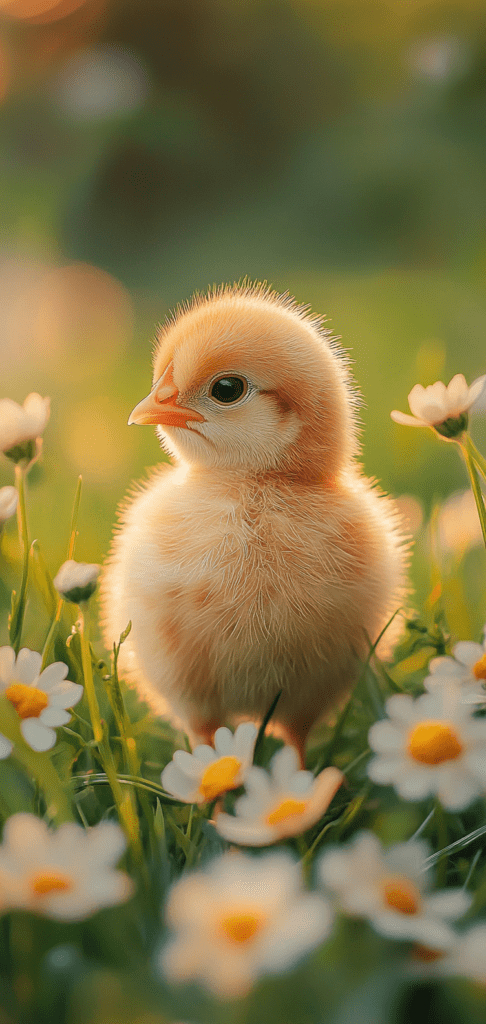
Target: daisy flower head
[66, 874]
[464, 672]
[240, 918]
[209, 772]
[40, 698]
[285, 802]
[8, 503]
[431, 745]
[444, 408]
[22, 426]
[390, 889]
[76, 581]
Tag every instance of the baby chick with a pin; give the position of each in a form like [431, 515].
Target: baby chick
[263, 560]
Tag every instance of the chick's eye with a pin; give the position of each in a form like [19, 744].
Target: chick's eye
[228, 389]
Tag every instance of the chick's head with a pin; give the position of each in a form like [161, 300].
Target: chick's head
[246, 380]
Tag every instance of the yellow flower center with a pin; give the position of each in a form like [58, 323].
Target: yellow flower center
[434, 743]
[219, 777]
[27, 701]
[479, 668]
[402, 895]
[426, 954]
[45, 882]
[286, 809]
[242, 925]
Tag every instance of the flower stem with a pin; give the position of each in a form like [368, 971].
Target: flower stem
[124, 801]
[476, 487]
[37, 764]
[18, 603]
[94, 710]
[51, 636]
[478, 458]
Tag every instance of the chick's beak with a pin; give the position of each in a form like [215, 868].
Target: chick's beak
[160, 406]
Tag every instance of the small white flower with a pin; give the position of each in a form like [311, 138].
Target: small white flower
[39, 698]
[467, 958]
[285, 803]
[22, 424]
[240, 918]
[8, 503]
[464, 673]
[209, 772]
[76, 581]
[430, 745]
[389, 888]
[437, 404]
[68, 874]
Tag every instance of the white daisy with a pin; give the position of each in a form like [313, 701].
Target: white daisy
[430, 745]
[467, 958]
[440, 407]
[464, 672]
[76, 581]
[284, 803]
[209, 772]
[21, 426]
[68, 874]
[39, 698]
[240, 918]
[389, 888]
[8, 503]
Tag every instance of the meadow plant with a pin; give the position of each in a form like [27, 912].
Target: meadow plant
[119, 855]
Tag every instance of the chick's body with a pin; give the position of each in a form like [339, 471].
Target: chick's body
[264, 559]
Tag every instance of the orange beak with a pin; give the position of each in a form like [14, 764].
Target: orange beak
[160, 406]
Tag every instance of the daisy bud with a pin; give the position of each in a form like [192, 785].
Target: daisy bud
[8, 503]
[21, 427]
[76, 581]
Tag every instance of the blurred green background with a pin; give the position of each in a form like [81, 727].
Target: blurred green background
[151, 148]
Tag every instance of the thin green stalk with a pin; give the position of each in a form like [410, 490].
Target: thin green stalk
[124, 801]
[442, 837]
[127, 739]
[18, 603]
[94, 710]
[37, 764]
[98, 779]
[476, 487]
[51, 636]
[478, 458]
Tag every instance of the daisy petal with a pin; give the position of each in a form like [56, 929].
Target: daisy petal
[38, 736]
[54, 717]
[6, 747]
[66, 694]
[7, 662]
[52, 675]
[27, 666]
[468, 653]
[406, 420]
